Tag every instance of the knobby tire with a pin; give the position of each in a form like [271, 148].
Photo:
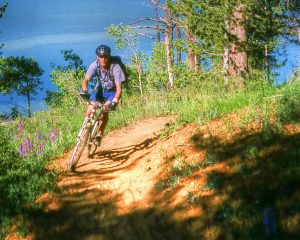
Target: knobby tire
[79, 147]
[91, 146]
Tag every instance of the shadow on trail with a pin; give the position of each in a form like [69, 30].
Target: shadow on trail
[97, 218]
[92, 213]
[257, 196]
[122, 154]
[116, 159]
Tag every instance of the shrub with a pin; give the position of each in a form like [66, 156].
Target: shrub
[22, 179]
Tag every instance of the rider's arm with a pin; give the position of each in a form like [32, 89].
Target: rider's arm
[118, 92]
[85, 81]
[119, 78]
[88, 75]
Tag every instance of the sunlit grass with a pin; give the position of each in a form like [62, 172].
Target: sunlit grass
[47, 135]
[262, 175]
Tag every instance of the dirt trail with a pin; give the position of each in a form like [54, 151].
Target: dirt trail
[138, 186]
[111, 195]
[118, 165]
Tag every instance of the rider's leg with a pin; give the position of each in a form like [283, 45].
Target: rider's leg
[89, 110]
[103, 123]
[95, 96]
[107, 96]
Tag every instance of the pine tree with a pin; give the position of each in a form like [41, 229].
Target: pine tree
[163, 24]
[2, 10]
[203, 25]
[20, 75]
[243, 34]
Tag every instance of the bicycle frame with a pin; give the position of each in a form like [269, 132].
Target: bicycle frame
[86, 135]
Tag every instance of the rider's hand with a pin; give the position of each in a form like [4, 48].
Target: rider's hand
[84, 95]
[112, 105]
[83, 92]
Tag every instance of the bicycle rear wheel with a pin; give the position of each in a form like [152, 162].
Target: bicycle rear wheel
[79, 147]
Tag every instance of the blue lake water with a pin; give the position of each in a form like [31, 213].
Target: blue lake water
[41, 29]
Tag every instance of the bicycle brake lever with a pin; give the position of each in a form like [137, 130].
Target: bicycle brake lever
[99, 104]
[96, 104]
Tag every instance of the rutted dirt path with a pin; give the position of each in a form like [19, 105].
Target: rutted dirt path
[184, 186]
[111, 195]
[119, 165]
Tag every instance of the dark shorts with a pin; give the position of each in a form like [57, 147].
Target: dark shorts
[103, 95]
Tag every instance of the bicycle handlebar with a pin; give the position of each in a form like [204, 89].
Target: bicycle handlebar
[86, 96]
[96, 104]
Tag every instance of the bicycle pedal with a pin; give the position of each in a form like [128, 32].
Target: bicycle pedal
[97, 141]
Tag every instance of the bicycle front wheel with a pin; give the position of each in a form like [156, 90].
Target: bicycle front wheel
[92, 147]
[79, 147]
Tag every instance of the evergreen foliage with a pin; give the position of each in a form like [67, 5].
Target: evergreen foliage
[2, 10]
[20, 75]
[126, 38]
[74, 61]
[68, 81]
[22, 180]
[157, 70]
[265, 23]
[197, 96]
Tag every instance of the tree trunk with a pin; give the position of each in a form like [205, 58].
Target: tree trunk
[298, 32]
[157, 25]
[168, 41]
[191, 56]
[178, 37]
[197, 63]
[226, 52]
[226, 64]
[139, 69]
[28, 104]
[237, 55]
[140, 83]
[140, 80]
[266, 62]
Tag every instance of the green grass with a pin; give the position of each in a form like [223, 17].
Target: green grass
[53, 133]
[260, 189]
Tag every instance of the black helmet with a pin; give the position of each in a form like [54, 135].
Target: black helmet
[103, 50]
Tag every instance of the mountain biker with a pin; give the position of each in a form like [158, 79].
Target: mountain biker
[109, 85]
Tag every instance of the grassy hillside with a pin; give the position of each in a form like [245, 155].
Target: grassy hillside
[235, 177]
[36, 141]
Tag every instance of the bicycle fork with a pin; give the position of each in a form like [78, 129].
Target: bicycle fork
[83, 128]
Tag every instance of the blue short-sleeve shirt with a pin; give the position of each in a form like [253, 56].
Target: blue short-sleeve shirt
[105, 89]
[116, 72]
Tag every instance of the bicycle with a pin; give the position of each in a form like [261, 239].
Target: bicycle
[87, 134]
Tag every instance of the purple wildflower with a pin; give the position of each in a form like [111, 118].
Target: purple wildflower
[20, 128]
[21, 150]
[54, 135]
[41, 137]
[25, 147]
[40, 148]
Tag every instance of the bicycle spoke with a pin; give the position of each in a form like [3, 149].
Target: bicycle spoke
[79, 147]
[92, 146]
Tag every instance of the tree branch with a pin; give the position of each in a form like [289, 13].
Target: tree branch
[141, 27]
[213, 54]
[157, 4]
[146, 35]
[148, 19]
